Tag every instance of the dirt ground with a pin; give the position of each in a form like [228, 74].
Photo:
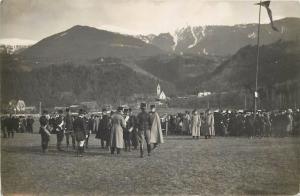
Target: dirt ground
[182, 166]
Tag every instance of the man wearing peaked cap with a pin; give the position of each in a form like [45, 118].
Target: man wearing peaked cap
[69, 128]
[104, 128]
[144, 126]
[80, 131]
[143, 105]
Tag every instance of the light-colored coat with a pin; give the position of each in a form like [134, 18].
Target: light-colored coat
[196, 124]
[289, 127]
[156, 136]
[116, 139]
[210, 121]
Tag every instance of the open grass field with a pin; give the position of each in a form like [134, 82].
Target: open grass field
[182, 166]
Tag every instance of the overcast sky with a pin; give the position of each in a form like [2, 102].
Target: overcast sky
[37, 19]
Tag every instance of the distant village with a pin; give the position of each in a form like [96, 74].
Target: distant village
[160, 99]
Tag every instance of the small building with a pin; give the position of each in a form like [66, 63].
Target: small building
[20, 107]
[203, 94]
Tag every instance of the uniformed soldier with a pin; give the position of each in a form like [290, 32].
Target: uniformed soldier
[144, 126]
[59, 129]
[11, 126]
[4, 126]
[29, 124]
[44, 131]
[127, 131]
[80, 132]
[69, 128]
[104, 129]
[90, 122]
[132, 127]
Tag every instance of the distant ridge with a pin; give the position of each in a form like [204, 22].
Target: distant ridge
[83, 42]
[223, 40]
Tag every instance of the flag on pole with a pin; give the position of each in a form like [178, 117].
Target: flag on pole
[266, 4]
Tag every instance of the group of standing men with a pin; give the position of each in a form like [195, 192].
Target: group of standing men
[237, 123]
[12, 123]
[115, 130]
[202, 123]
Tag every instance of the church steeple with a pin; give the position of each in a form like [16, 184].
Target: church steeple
[158, 89]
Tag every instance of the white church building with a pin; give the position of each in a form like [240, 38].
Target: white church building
[160, 93]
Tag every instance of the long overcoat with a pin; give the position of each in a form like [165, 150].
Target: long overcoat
[116, 139]
[195, 125]
[156, 136]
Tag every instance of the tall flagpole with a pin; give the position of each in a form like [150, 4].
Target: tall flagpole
[257, 63]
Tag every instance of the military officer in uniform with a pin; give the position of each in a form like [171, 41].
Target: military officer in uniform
[104, 129]
[80, 132]
[131, 124]
[44, 131]
[90, 123]
[59, 129]
[69, 128]
[127, 131]
[144, 126]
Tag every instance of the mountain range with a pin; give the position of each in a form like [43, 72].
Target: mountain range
[222, 40]
[216, 58]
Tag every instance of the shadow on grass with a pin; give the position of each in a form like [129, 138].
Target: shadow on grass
[90, 152]
[184, 138]
[51, 152]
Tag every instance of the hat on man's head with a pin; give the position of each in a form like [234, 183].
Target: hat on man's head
[120, 108]
[81, 112]
[60, 111]
[152, 106]
[143, 105]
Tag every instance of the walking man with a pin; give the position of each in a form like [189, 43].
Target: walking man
[156, 137]
[144, 126]
[80, 132]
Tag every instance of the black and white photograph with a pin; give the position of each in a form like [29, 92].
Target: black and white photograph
[150, 97]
